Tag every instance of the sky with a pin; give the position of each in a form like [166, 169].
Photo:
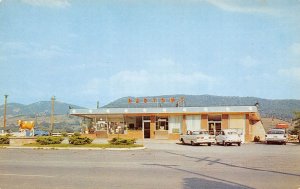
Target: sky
[84, 51]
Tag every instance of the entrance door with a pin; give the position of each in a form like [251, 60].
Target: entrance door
[214, 127]
[146, 125]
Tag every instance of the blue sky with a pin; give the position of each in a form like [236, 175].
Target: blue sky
[88, 51]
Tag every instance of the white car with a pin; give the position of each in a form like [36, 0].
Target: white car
[228, 137]
[197, 138]
[276, 136]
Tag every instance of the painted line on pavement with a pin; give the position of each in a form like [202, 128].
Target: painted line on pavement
[21, 175]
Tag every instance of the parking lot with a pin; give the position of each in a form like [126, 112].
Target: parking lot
[163, 164]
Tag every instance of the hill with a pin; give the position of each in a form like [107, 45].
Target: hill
[39, 108]
[40, 113]
[281, 109]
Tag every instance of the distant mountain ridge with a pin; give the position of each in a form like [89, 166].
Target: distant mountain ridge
[40, 108]
[281, 109]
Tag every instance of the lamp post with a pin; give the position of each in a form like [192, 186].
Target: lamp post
[52, 114]
[4, 115]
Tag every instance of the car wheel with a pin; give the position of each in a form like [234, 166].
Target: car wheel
[284, 143]
[239, 144]
[182, 141]
[209, 144]
[224, 143]
[192, 143]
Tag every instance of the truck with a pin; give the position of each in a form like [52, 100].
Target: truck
[197, 138]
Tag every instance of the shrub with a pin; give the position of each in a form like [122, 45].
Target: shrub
[4, 140]
[79, 140]
[45, 140]
[256, 139]
[121, 141]
[64, 134]
[76, 134]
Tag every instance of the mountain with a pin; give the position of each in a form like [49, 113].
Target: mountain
[281, 109]
[40, 108]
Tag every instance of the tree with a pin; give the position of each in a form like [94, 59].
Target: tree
[296, 122]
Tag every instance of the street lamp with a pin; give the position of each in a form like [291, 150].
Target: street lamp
[4, 115]
[52, 114]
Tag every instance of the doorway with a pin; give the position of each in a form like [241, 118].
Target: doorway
[214, 127]
[146, 126]
[214, 124]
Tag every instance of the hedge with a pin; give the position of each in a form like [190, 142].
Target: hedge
[45, 140]
[4, 140]
[79, 140]
[121, 141]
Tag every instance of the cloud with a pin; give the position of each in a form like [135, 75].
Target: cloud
[292, 73]
[48, 3]
[156, 78]
[242, 6]
[22, 50]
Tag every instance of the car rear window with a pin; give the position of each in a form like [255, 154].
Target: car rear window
[275, 132]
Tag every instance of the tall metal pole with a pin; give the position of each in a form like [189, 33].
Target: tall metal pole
[52, 114]
[4, 115]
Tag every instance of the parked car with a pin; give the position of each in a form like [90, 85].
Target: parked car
[41, 133]
[276, 136]
[197, 138]
[228, 137]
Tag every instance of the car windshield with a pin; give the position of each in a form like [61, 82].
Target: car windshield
[200, 132]
[275, 132]
[204, 132]
[232, 133]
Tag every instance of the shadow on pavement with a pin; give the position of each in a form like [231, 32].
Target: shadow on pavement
[196, 182]
[191, 183]
[217, 161]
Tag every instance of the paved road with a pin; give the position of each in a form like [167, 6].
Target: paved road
[161, 165]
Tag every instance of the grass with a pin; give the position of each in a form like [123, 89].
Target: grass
[4, 145]
[85, 146]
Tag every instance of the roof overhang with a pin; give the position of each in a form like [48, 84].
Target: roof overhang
[90, 113]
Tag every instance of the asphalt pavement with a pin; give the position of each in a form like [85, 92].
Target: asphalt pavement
[163, 164]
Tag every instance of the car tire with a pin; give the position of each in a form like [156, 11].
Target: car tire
[284, 143]
[239, 144]
[224, 143]
[192, 143]
[209, 144]
[182, 141]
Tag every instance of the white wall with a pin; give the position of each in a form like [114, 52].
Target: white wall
[238, 122]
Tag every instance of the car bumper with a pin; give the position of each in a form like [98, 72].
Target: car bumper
[275, 140]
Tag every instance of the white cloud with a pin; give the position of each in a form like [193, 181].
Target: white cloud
[292, 73]
[242, 6]
[31, 50]
[156, 78]
[48, 3]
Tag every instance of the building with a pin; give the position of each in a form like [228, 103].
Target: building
[170, 122]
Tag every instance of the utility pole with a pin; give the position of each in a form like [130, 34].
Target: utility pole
[52, 114]
[4, 115]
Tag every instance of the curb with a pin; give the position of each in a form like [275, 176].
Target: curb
[71, 148]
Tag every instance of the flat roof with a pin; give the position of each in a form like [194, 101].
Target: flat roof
[165, 110]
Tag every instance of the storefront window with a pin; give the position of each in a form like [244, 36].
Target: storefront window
[162, 123]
